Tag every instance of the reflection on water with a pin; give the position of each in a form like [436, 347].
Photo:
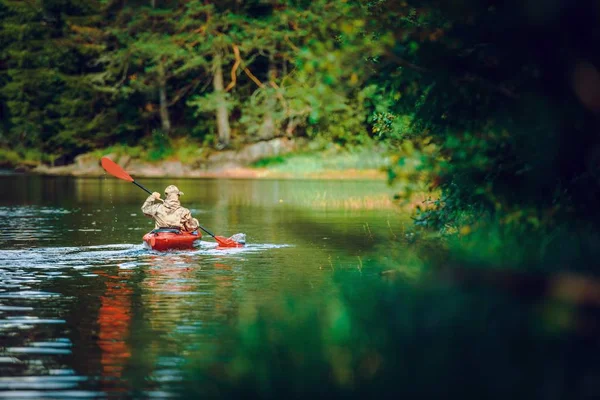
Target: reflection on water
[86, 310]
[114, 320]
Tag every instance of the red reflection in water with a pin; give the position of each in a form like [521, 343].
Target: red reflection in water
[115, 313]
[114, 319]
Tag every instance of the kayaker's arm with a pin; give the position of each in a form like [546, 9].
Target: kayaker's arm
[150, 206]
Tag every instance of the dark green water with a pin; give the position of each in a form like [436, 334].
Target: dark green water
[301, 312]
[86, 310]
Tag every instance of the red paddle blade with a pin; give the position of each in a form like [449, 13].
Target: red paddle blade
[114, 169]
[226, 242]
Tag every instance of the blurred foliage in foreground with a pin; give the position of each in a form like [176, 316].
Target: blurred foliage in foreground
[488, 316]
[432, 338]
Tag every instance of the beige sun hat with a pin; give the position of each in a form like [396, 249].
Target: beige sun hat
[173, 189]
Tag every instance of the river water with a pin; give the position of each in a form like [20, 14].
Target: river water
[87, 311]
[308, 309]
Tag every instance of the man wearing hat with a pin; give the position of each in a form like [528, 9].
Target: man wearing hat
[170, 213]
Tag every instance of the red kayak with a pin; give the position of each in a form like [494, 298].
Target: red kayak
[171, 239]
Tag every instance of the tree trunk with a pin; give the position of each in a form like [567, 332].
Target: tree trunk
[165, 121]
[291, 126]
[162, 94]
[267, 129]
[222, 114]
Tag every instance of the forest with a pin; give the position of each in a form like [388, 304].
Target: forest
[493, 104]
[486, 287]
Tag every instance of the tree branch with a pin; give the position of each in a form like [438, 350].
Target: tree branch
[254, 78]
[125, 71]
[238, 61]
[280, 97]
[183, 91]
[287, 39]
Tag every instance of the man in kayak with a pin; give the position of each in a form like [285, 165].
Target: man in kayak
[170, 213]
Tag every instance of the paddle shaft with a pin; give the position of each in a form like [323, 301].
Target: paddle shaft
[141, 187]
[207, 231]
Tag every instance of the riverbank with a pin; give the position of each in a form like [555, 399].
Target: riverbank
[274, 159]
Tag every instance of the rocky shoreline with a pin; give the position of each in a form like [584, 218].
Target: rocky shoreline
[219, 164]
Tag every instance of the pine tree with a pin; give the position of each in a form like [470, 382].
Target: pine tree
[45, 68]
[147, 63]
[210, 34]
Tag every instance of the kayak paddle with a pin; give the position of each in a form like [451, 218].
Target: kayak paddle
[115, 170]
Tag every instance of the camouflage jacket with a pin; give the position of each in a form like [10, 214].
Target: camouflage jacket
[169, 214]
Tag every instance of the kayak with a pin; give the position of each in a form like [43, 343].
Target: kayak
[164, 239]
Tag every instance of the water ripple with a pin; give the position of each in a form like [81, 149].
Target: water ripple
[58, 394]
[36, 306]
[123, 255]
[28, 294]
[37, 350]
[68, 257]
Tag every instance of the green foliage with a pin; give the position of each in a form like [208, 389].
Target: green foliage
[469, 97]
[159, 146]
[121, 150]
[514, 133]
[410, 338]
[94, 76]
[333, 158]
[187, 151]
[269, 162]
[9, 158]
[205, 104]
[49, 104]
